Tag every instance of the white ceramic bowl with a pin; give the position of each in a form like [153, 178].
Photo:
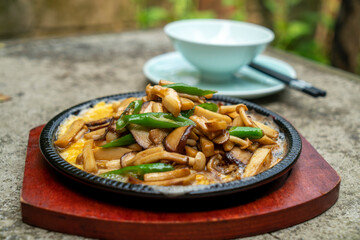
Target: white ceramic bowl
[218, 48]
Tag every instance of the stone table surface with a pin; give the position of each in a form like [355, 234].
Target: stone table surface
[46, 76]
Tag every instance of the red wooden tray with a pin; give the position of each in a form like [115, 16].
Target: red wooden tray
[52, 201]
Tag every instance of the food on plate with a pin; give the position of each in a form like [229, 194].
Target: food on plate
[174, 135]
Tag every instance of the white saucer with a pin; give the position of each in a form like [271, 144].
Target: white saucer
[247, 84]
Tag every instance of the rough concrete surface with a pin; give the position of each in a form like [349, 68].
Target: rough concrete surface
[46, 76]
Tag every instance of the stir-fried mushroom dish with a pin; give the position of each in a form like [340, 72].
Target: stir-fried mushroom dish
[174, 135]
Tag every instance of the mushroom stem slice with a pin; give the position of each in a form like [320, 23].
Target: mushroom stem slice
[155, 157]
[187, 180]
[243, 143]
[265, 140]
[241, 109]
[147, 152]
[207, 147]
[170, 98]
[66, 138]
[198, 163]
[159, 176]
[268, 131]
[165, 82]
[186, 104]
[89, 159]
[110, 153]
[191, 152]
[202, 112]
[193, 98]
[259, 161]
[216, 125]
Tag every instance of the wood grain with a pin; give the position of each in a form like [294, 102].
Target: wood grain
[52, 201]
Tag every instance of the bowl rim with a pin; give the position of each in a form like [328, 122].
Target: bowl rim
[51, 155]
[168, 31]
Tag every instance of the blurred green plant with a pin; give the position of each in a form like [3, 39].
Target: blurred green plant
[295, 31]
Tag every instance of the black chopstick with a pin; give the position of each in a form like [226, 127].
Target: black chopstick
[291, 82]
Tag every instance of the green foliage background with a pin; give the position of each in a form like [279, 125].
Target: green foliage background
[294, 31]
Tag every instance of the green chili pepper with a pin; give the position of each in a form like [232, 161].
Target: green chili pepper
[209, 106]
[184, 88]
[246, 132]
[157, 120]
[138, 171]
[133, 108]
[188, 113]
[123, 141]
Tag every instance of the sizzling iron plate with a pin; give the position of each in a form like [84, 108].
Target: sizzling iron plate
[55, 160]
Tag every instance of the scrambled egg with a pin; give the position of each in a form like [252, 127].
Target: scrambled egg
[99, 111]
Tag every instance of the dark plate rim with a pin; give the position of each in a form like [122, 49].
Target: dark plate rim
[51, 155]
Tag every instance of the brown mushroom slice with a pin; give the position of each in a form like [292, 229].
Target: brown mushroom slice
[243, 143]
[163, 155]
[66, 138]
[186, 104]
[146, 107]
[207, 147]
[187, 180]
[89, 162]
[159, 176]
[268, 131]
[157, 135]
[202, 112]
[98, 123]
[95, 134]
[222, 138]
[127, 159]
[176, 140]
[110, 153]
[141, 135]
[260, 160]
[238, 155]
